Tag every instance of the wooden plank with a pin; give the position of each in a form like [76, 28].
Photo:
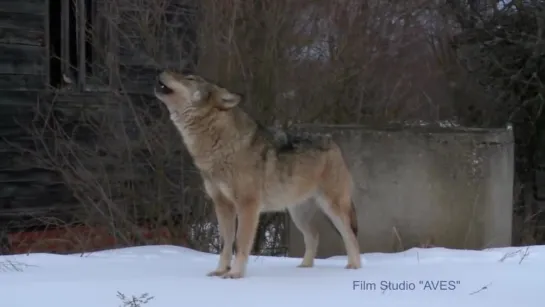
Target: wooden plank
[12, 134]
[17, 160]
[22, 21]
[22, 59]
[21, 82]
[22, 37]
[18, 99]
[29, 175]
[24, 6]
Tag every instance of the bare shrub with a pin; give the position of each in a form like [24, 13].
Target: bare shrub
[122, 177]
[325, 61]
[11, 266]
[134, 301]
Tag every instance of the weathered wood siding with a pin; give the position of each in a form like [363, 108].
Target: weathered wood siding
[29, 191]
[23, 69]
[22, 45]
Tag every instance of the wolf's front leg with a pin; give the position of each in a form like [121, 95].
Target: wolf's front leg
[248, 220]
[225, 213]
[227, 227]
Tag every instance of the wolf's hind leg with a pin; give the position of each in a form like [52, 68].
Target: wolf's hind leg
[342, 214]
[302, 216]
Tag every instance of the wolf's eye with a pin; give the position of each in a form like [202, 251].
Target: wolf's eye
[163, 89]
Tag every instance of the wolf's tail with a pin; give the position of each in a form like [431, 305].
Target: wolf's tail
[353, 219]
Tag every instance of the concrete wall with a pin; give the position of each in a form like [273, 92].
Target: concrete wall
[442, 187]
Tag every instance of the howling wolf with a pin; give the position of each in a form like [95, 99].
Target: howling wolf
[248, 170]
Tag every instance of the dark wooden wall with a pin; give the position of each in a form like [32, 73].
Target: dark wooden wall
[28, 192]
[23, 69]
[22, 45]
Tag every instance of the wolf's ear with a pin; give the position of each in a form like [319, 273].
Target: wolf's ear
[227, 100]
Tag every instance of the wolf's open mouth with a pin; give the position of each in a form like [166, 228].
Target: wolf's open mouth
[161, 88]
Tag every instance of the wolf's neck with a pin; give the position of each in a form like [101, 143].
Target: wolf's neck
[206, 134]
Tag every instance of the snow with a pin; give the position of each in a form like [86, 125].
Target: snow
[175, 276]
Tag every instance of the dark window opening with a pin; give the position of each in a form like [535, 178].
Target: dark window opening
[89, 21]
[55, 71]
[70, 45]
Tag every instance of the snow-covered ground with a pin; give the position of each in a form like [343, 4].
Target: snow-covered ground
[173, 276]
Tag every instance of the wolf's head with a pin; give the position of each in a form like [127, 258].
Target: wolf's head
[178, 90]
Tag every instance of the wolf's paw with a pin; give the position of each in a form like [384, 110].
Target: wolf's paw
[352, 266]
[232, 275]
[218, 272]
[305, 265]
